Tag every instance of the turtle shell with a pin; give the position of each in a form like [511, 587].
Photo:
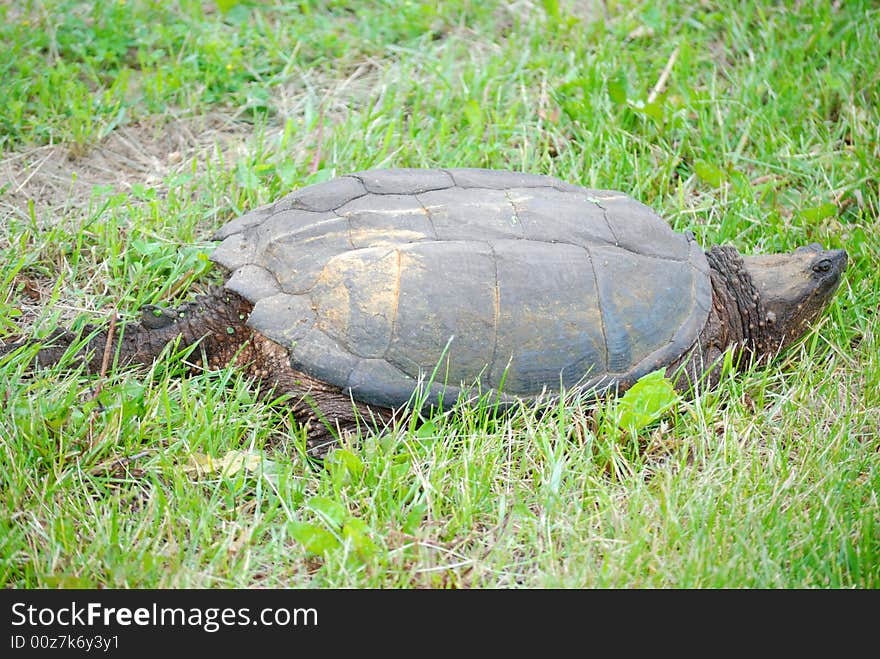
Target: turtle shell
[386, 282]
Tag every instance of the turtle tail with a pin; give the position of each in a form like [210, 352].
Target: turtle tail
[216, 319]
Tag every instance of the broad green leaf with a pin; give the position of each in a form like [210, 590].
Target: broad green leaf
[709, 173]
[474, 115]
[399, 471]
[55, 418]
[349, 461]
[129, 396]
[653, 110]
[286, 172]
[178, 179]
[7, 313]
[652, 16]
[426, 431]
[225, 5]
[820, 212]
[741, 181]
[414, 518]
[237, 14]
[246, 177]
[646, 401]
[257, 98]
[574, 98]
[551, 7]
[315, 539]
[100, 190]
[333, 512]
[618, 88]
[140, 191]
[357, 533]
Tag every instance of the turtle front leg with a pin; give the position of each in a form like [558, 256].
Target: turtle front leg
[215, 320]
[105, 348]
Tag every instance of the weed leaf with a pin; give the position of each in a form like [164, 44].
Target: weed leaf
[315, 539]
[646, 401]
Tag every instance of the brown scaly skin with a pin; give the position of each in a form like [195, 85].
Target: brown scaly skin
[760, 304]
[217, 321]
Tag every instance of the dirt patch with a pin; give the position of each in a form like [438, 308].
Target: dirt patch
[145, 152]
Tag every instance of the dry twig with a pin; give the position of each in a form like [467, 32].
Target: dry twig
[664, 76]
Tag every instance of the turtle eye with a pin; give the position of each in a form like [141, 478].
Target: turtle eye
[822, 266]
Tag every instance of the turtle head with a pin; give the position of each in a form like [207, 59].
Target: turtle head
[794, 288]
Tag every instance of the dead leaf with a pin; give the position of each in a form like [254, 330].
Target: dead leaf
[230, 464]
[641, 32]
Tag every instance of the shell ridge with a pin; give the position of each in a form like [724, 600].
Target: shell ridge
[348, 201]
[428, 213]
[449, 174]
[599, 305]
[496, 320]
[694, 304]
[396, 308]
[607, 222]
[516, 217]
[287, 233]
[361, 179]
[607, 244]
[339, 340]
[347, 219]
[383, 181]
[355, 362]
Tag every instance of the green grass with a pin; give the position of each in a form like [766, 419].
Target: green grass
[766, 135]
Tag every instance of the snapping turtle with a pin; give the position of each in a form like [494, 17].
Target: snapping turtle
[352, 294]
